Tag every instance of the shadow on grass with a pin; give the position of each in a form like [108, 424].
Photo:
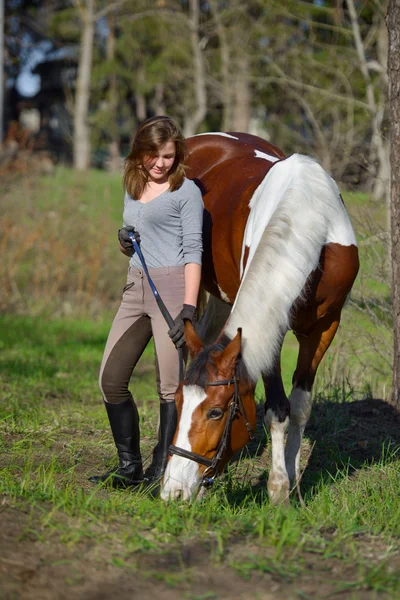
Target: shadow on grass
[347, 436]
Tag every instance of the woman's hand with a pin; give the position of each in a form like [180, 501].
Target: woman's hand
[125, 240]
[177, 331]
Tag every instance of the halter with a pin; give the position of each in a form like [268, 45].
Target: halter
[235, 406]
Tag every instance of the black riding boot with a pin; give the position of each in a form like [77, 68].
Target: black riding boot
[168, 420]
[124, 421]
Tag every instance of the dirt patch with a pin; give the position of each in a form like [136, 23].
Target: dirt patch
[36, 565]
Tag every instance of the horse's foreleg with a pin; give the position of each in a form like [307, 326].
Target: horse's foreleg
[311, 351]
[277, 419]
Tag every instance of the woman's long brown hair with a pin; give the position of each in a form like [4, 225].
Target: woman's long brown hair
[152, 135]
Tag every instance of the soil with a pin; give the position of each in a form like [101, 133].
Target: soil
[35, 569]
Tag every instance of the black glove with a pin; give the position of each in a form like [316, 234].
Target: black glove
[177, 331]
[125, 240]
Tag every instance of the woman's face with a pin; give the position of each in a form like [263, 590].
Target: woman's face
[159, 165]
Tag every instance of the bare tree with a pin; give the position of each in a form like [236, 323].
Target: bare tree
[81, 142]
[242, 106]
[114, 160]
[382, 181]
[192, 121]
[89, 17]
[393, 25]
[1, 69]
[225, 54]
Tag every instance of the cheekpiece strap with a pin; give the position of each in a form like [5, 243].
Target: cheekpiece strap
[223, 382]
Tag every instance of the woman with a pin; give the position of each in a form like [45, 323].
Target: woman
[164, 211]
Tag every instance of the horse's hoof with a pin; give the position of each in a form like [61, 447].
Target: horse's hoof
[278, 489]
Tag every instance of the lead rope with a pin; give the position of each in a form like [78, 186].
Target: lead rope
[163, 309]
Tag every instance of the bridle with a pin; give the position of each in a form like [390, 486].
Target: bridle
[212, 464]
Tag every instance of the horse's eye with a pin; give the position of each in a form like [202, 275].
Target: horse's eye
[215, 413]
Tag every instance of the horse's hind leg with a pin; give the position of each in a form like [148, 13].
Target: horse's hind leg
[277, 419]
[312, 348]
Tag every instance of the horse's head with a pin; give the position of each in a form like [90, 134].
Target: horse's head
[216, 411]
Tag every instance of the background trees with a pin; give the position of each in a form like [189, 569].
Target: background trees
[309, 76]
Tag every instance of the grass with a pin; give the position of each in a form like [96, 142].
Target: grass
[60, 284]
[54, 434]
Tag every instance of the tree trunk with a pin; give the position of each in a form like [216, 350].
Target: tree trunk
[140, 99]
[2, 71]
[377, 146]
[227, 100]
[393, 24]
[158, 101]
[382, 182]
[81, 142]
[241, 115]
[114, 161]
[192, 122]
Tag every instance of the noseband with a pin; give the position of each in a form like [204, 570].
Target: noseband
[212, 464]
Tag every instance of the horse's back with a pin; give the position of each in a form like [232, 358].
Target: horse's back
[228, 168]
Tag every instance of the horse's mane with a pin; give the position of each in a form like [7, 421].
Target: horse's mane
[283, 252]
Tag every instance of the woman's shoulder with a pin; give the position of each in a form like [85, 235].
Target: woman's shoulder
[190, 188]
[127, 197]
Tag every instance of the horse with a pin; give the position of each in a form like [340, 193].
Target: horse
[279, 253]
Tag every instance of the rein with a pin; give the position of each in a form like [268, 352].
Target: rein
[163, 309]
[212, 465]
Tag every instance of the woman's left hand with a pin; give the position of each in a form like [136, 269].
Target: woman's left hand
[177, 331]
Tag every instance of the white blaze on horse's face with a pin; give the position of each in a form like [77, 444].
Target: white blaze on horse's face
[182, 477]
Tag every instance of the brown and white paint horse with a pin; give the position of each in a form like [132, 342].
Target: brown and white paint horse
[279, 253]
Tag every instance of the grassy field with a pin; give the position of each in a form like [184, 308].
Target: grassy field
[61, 277]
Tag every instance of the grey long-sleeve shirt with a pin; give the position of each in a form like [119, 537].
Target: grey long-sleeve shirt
[170, 226]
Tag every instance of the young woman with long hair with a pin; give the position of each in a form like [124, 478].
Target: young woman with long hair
[164, 211]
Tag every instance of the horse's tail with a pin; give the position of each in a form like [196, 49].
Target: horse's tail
[296, 210]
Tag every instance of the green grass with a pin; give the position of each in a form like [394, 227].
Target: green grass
[54, 434]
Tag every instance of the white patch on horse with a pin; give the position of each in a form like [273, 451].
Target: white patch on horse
[278, 481]
[221, 133]
[266, 156]
[294, 212]
[181, 474]
[300, 408]
[224, 296]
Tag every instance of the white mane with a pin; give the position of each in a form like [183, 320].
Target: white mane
[296, 210]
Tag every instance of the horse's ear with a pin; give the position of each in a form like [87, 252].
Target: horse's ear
[227, 360]
[193, 342]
